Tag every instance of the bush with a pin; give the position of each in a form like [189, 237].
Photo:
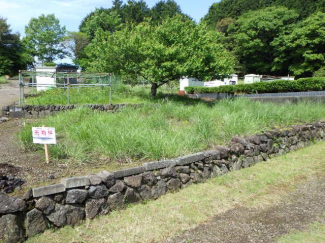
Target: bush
[320, 72]
[3, 80]
[304, 84]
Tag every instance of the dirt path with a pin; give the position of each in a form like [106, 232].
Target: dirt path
[9, 93]
[295, 212]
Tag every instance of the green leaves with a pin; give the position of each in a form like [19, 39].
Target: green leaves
[12, 54]
[254, 32]
[161, 53]
[304, 84]
[303, 50]
[43, 38]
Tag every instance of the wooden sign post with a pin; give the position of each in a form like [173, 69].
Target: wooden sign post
[44, 135]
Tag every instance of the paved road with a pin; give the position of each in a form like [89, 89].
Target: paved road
[9, 93]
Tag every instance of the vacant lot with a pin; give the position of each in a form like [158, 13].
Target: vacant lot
[165, 129]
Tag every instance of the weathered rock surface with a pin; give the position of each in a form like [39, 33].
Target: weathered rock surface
[133, 181]
[11, 204]
[115, 201]
[11, 230]
[76, 196]
[97, 192]
[118, 187]
[96, 207]
[66, 215]
[174, 184]
[107, 178]
[45, 204]
[131, 196]
[35, 223]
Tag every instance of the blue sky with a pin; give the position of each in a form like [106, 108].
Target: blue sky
[71, 12]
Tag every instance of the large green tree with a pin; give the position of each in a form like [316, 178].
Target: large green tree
[235, 8]
[252, 35]
[164, 9]
[75, 43]
[12, 57]
[44, 36]
[104, 19]
[161, 53]
[302, 51]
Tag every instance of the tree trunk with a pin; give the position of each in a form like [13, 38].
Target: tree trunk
[154, 87]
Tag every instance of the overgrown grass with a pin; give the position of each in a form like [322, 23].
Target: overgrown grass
[120, 94]
[259, 186]
[3, 80]
[167, 129]
[315, 234]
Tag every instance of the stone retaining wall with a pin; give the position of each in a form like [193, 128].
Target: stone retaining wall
[34, 111]
[78, 198]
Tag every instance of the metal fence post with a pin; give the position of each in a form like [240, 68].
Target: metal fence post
[68, 98]
[20, 77]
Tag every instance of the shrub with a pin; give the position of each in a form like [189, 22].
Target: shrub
[304, 84]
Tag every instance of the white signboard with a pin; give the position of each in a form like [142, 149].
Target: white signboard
[44, 135]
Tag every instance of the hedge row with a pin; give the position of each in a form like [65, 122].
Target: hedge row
[281, 86]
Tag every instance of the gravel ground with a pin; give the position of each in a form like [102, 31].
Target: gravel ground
[295, 212]
[9, 93]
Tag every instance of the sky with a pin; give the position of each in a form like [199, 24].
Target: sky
[71, 12]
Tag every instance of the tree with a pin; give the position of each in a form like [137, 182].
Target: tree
[303, 50]
[235, 8]
[75, 43]
[135, 11]
[161, 53]
[104, 19]
[44, 36]
[12, 56]
[253, 33]
[164, 9]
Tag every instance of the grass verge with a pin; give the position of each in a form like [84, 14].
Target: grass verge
[258, 186]
[3, 80]
[165, 130]
[315, 234]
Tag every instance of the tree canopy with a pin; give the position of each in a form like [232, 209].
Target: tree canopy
[235, 8]
[253, 33]
[12, 55]
[44, 36]
[302, 51]
[161, 53]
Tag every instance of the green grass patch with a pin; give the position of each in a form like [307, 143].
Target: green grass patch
[3, 80]
[315, 234]
[262, 185]
[121, 94]
[166, 129]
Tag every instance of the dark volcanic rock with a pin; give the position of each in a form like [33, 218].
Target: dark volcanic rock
[11, 204]
[35, 223]
[45, 204]
[133, 181]
[118, 187]
[76, 196]
[11, 230]
[66, 215]
[174, 184]
[131, 196]
[115, 201]
[98, 191]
